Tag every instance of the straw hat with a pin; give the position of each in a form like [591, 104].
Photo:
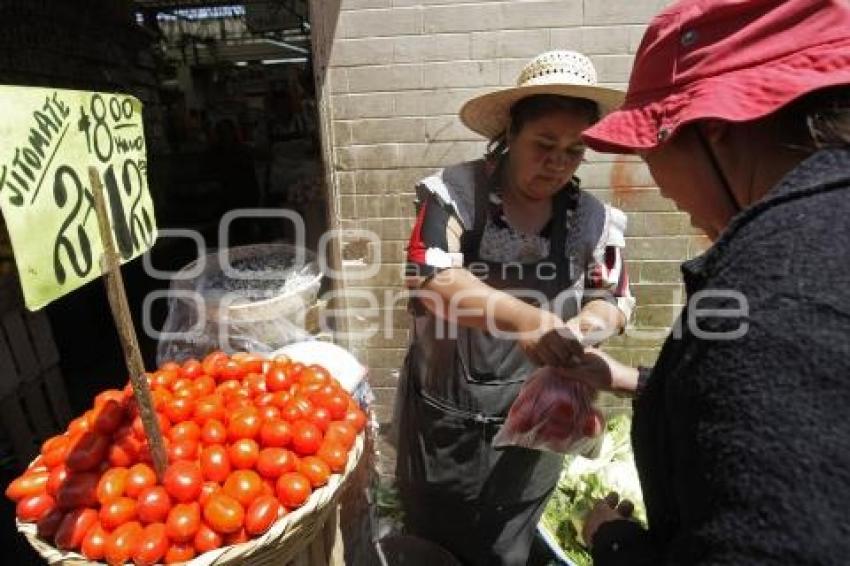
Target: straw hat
[561, 72]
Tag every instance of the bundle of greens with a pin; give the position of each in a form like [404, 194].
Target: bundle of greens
[584, 480]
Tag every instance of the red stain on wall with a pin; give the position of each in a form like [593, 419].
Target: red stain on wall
[622, 179]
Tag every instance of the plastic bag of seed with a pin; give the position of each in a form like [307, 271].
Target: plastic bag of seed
[249, 298]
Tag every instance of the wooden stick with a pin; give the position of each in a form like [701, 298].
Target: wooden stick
[126, 332]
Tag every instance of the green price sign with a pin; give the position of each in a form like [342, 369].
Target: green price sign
[50, 139]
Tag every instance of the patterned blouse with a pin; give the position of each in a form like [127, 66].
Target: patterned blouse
[434, 243]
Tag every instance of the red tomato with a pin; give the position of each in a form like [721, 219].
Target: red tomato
[214, 432]
[356, 418]
[295, 410]
[191, 369]
[37, 466]
[251, 363]
[183, 481]
[152, 546]
[73, 528]
[334, 454]
[342, 432]
[244, 486]
[87, 452]
[179, 409]
[78, 490]
[183, 521]
[261, 514]
[244, 423]
[264, 400]
[111, 485]
[124, 451]
[209, 407]
[185, 450]
[231, 369]
[139, 428]
[32, 508]
[321, 417]
[163, 379]
[223, 513]
[277, 379]
[293, 489]
[238, 403]
[139, 477]
[203, 385]
[314, 374]
[213, 363]
[255, 383]
[281, 360]
[122, 543]
[314, 469]
[243, 453]
[273, 462]
[49, 524]
[57, 477]
[53, 443]
[179, 552]
[277, 433]
[281, 398]
[215, 463]
[26, 485]
[153, 505]
[294, 369]
[187, 431]
[79, 426]
[269, 413]
[160, 398]
[57, 455]
[337, 404]
[209, 488]
[93, 546]
[229, 388]
[182, 387]
[117, 512]
[306, 438]
[109, 417]
[206, 539]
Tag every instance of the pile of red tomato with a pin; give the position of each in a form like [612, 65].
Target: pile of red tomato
[248, 439]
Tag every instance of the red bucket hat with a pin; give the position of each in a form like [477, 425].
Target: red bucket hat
[735, 60]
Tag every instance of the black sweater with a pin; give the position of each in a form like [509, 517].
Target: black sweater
[743, 444]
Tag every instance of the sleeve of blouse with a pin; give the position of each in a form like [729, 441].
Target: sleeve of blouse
[607, 277]
[434, 242]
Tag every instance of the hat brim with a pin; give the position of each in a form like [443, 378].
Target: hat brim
[489, 114]
[740, 96]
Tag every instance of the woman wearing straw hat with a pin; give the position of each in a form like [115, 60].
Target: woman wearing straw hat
[528, 267]
[740, 431]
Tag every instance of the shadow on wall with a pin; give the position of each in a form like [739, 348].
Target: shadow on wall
[324, 16]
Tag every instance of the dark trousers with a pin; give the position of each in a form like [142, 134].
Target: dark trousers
[476, 533]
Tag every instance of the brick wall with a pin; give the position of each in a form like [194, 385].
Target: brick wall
[398, 72]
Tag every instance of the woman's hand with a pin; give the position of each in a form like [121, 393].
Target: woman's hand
[547, 340]
[602, 372]
[605, 510]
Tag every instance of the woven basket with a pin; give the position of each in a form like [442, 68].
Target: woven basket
[304, 537]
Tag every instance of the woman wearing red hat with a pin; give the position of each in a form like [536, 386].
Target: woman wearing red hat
[526, 264]
[741, 109]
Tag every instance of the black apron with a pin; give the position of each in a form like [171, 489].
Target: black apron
[455, 392]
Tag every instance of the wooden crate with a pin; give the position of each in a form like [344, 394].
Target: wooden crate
[33, 401]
